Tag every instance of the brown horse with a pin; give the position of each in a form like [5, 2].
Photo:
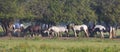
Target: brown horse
[33, 30]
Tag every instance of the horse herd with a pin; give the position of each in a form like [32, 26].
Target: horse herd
[56, 31]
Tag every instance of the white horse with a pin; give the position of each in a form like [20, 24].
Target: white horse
[103, 29]
[56, 30]
[76, 28]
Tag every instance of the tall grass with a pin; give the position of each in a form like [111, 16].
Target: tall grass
[60, 45]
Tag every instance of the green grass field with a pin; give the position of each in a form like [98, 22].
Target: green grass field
[80, 44]
[59, 45]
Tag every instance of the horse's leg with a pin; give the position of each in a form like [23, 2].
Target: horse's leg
[40, 33]
[102, 35]
[32, 34]
[36, 33]
[56, 34]
[60, 35]
[67, 34]
[19, 32]
[48, 33]
[114, 33]
[110, 34]
[86, 32]
[75, 33]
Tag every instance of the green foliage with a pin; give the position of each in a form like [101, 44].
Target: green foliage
[57, 11]
[13, 9]
[107, 10]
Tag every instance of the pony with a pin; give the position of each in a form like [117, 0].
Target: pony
[102, 29]
[77, 28]
[99, 28]
[33, 30]
[56, 30]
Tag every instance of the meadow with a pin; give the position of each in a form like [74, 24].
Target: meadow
[63, 44]
[59, 45]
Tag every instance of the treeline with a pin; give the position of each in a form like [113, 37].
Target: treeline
[57, 11]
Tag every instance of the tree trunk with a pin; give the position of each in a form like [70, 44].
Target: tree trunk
[4, 29]
[7, 27]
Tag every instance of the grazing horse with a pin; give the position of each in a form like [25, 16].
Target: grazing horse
[102, 29]
[33, 30]
[56, 30]
[99, 28]
[77, 28]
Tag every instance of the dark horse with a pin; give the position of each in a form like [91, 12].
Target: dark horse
[33, 30]
[102, 29]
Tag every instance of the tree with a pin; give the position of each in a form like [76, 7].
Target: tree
[107, 10]
[10, 10]
[59, 11]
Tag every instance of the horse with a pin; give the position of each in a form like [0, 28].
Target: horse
[77, 28]
[102, 29]
[56, 30]
[99, 28]
[18, 31]
[33, 30]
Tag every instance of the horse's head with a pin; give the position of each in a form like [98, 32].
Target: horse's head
[46, 31]
[91, 27]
